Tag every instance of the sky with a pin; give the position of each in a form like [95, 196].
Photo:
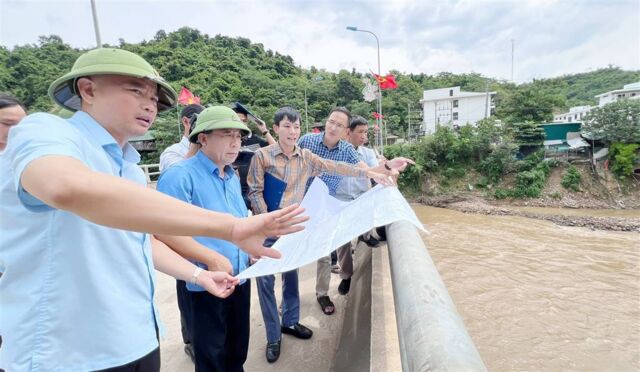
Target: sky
[550, 37]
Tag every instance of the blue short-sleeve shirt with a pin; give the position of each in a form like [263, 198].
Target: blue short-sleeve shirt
[343, 152]
[197, 181]
[74, 295]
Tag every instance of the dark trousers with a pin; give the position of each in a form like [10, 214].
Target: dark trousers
[220, 329]
[148, 363]
[269, 304]
[185, 309]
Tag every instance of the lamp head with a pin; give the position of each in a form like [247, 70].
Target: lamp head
[352, 28]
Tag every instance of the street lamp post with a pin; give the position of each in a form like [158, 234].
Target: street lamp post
[379, 119]
[96, 27]
[306, 110]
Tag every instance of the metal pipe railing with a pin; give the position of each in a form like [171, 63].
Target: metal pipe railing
[431, 333]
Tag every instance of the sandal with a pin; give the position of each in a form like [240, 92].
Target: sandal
[326, 305]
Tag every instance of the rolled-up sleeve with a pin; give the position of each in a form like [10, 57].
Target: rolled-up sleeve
[36, 136]
[321, 165]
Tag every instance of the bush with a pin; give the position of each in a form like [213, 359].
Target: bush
[501, 193]
[571, 179]
[483, 183]
[529, 184]
[456, 172]
[624, 158]
[497, 163]
[413, 176]
[553, 163]
[544, 168]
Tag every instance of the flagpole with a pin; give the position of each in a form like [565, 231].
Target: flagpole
[380, 122]
[383, 129]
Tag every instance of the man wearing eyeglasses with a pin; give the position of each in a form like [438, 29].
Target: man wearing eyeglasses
[219, 329]
[330, 145]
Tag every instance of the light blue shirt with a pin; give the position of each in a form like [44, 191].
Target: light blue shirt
[350, 188]
[197, 181]
[74, 296]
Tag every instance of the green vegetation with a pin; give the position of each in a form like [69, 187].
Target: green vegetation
[222, 70]
[531, 176]
[618, 124]
[615, 122]
[571, 179]
[624, 157]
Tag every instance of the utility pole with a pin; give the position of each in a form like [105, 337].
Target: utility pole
[96, 27]
[512, 49]
[409, 121]
[306, 109]
[486, 99]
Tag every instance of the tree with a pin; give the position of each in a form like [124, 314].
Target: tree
[528, 103]
[616, 122]
[527, 133]
[224, 69]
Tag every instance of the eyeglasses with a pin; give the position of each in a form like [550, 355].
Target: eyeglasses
[335, 124]
[230, 136]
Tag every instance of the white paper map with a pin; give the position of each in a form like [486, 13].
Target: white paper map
[333, 223]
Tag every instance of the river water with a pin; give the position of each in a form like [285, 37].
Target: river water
[540, 297]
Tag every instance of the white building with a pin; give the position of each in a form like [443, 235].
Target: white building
[629, 91]
[575, 115]
[450, 106]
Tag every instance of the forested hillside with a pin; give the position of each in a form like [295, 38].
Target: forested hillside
[222, 70]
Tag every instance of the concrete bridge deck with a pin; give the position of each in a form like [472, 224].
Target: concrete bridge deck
[318, 353]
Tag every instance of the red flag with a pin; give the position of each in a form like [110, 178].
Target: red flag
[386, 82]
[377, 116]
[187, 98]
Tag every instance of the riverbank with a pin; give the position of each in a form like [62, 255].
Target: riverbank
[595, 193]
[478, 205]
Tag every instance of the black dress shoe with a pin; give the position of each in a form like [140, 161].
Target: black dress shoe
[273, 351]
[298, 330]
[344, 286]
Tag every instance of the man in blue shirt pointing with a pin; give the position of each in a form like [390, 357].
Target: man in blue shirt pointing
[78, 282]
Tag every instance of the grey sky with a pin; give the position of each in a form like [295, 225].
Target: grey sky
[552, 37]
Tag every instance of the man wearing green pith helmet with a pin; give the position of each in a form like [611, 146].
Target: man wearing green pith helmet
[219, 328]
[78, 260]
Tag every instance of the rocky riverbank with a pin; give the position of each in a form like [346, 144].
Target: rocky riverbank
[470, 204]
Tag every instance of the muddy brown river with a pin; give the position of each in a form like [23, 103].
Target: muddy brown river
[540, 297]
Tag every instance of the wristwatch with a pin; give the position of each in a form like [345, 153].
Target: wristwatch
[194, 277]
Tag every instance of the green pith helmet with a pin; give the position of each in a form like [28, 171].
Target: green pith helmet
[217, 117]
[108, 61]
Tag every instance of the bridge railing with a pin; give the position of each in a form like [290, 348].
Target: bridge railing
[151, 172]
[430, 333]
